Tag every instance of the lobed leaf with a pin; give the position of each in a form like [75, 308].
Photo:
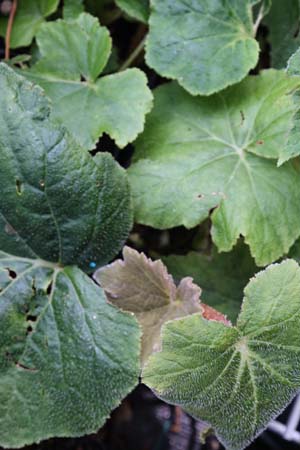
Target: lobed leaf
[57, 203]
[215, 40]
[73, 55]
[67, 356]
[220, 152]
[236, 378]
[145, 288]
[30, 15]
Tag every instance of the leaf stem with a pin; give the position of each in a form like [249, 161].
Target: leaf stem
[9, 28]
[133, 55]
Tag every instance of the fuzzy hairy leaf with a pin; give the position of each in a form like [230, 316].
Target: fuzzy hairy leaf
[236, 378]
[222, 277]
[29, 17]
[145, 288]
[67, 356]
[283, 25]
[220, 152]
[72, 51]
[57, 203]
[213, 39]
[139, 9]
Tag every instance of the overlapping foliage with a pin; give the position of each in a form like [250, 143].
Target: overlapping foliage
[217, 151]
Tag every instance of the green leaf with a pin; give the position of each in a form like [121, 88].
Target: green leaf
[67, 356]
[219, 152]
[283, 24]
[206, 46]
[72, 51]
[293, 147]
[145, 288]
[222, 277]
[57, 203]
[236, 378]
[72, 8]
[29, 17]
[139, 9]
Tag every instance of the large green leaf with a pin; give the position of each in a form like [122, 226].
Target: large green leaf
[67, 356]
[222, 277]
[206, 46]
[57, 203]
[72, 8]
[29, 17]
[138, 9]
[236, 378]
[73, 54]
[283, 24]
[145, 288]
[220, 152]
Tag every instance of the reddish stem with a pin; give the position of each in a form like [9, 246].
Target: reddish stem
[9, 28]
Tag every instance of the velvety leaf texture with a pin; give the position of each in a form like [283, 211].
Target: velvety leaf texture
[214, 39]
[67, 356]
[139, 9]
[57, 203]
[29, 17]
[73, 55]
[236, 378]
[283, 30]
[220, 152]
[222, 277]
[145, 288]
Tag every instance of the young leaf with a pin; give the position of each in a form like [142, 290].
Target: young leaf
[222, 277]
[145, 288]
[236, 378]
[215, 40]
[283, 26]
[67, 356]
[57, 203]
[29, 17]
[139, 9]
[219, 152]
[73, 54]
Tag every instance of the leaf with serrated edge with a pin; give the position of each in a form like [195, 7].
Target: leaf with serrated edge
[57, 203]
[67, 356]
[222, 277]
[114, 104]
[29, 17]
[236, 378]
[283, 30]
[145, 288]
[201, 153]
[139, 9]
[63, 366]
[214, 40]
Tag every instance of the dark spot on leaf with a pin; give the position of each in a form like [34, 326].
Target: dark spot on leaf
[33, 287]
[18, 187]
[29, 330]
[243, 117]
[260, 142]
[11, 273]
[200, 196]
[21, 366]
[49, 288]
[31, 318]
